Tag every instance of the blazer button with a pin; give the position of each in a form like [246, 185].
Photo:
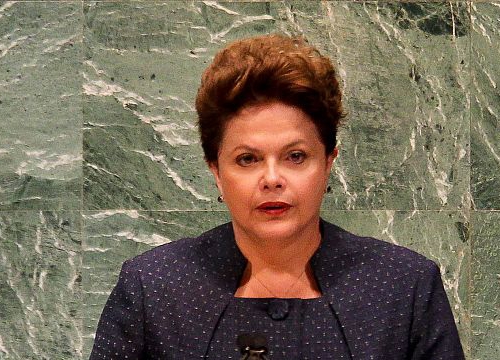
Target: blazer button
[278, 309]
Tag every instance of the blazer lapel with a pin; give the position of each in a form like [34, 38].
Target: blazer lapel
[218, 267]
[332, 264]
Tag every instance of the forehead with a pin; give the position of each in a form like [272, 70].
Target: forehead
[274, 122]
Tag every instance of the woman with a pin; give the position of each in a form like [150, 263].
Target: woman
[268, 112]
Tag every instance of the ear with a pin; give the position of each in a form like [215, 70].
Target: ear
[329, 160]
[214, 169]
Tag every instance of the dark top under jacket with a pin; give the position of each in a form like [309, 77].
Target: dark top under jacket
[294, 329]
[386, 302]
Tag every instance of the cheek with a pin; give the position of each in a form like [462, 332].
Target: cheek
[239, 202]
[313, 180]
[312, 187]
[238, 189]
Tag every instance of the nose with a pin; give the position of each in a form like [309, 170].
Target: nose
[272, 178]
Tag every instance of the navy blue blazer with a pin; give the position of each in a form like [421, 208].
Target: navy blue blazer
[389, 301]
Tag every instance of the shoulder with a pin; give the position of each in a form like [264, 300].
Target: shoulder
[184, 250]
[369, 255]
[211, 261]
[366, 274]
[372, 283]
[208, 266]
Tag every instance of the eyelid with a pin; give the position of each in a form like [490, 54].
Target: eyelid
[302, 152]
[240, 157]
[297, 152]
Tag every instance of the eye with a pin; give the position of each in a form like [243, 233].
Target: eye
[297, 157]
[246, 159]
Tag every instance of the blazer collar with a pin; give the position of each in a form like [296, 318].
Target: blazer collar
[333, 265]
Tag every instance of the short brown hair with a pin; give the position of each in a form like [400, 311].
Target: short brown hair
[263, 69]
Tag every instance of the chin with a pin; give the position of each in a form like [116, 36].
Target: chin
[275, 230]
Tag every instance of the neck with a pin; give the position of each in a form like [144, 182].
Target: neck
[280, 255]
[279, 268]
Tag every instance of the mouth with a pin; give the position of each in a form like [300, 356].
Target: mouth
[274, 207]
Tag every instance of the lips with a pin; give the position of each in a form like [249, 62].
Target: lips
[274, 207]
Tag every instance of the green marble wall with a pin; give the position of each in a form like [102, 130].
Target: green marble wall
[99, 157]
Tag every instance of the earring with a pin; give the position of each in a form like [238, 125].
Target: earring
[328, 189]
[220, 198]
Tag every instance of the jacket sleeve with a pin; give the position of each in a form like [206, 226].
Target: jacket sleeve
[434, 334]
[120, 333]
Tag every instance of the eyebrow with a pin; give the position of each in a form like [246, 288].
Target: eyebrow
[252, 149]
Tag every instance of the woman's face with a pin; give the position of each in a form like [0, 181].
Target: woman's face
[272, 172]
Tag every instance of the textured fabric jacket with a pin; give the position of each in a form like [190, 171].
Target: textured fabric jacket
[389, 301]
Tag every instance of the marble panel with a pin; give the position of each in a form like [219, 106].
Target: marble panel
[485, 97]
[442, 236]
[405, 79]
[40, 105]
[129, 167]
[114, 236]
[142, 72]
[485, 307]
[40, 285]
